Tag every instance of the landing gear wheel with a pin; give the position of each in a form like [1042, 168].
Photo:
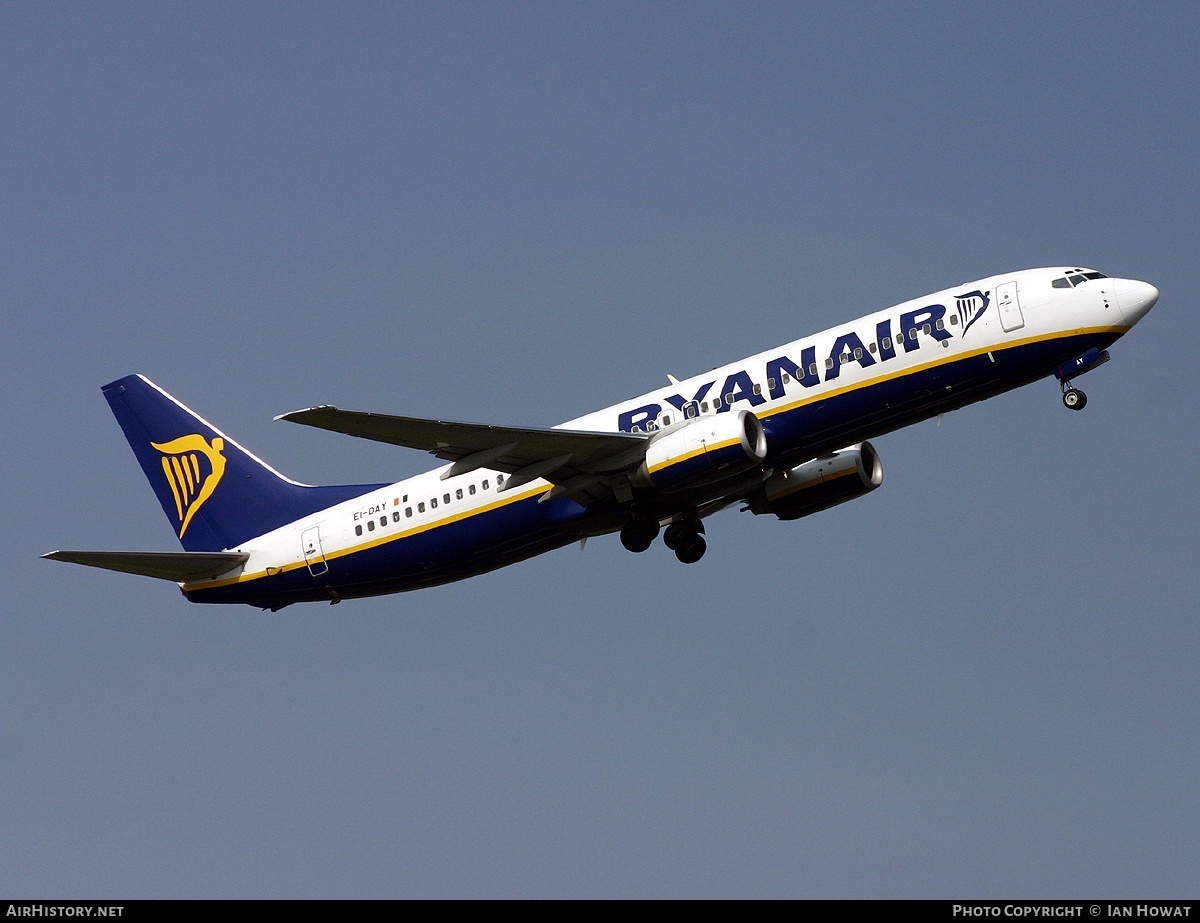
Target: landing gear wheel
[677, 535]
[638, 535]
[692, 552]
[1074, 399]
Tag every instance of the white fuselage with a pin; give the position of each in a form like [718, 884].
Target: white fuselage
[835, 388]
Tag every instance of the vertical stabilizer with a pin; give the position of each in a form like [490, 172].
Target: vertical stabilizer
[216, 494]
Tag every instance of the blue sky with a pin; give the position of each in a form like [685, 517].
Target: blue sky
[978, 681]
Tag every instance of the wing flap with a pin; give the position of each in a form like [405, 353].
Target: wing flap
[176, 566]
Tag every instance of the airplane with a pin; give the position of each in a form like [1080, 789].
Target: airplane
[785, 433]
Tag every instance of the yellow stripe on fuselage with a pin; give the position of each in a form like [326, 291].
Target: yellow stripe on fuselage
[373, 543]
[811, 398]
[814, 397]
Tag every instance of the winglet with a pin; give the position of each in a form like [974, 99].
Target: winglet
[297, 413]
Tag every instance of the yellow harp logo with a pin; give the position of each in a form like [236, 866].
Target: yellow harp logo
[193, 469]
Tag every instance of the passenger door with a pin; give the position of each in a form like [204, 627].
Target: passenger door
[1009, 307]
[310, 540]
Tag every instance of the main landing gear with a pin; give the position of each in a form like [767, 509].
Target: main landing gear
[682, 536]
[1073, 398]
[639, 534]
[685, 540]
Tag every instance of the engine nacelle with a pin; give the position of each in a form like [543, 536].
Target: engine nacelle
[819, 484]
[703, 450]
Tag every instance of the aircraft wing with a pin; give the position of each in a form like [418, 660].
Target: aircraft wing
[575, 461]
[176, 566]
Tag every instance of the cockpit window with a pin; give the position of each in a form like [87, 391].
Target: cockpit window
[1076, 277]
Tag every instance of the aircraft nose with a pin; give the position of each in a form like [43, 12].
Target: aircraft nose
[1135, 298]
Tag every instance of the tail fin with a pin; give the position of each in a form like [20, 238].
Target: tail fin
[215, 493]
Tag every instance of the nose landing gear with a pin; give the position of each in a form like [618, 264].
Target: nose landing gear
[1073, 398]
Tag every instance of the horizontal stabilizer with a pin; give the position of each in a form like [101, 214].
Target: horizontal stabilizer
[176, 566]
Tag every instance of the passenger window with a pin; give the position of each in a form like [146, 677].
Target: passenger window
[926, 330]
[396, 516]
[370, 525]
[421, 507]
[812, 369]
[872, 347]
[446, 499]
[770, 384]
[887, 342]
[704, 407]
[941, 324]
[953, 319]
[358, 530]
[433, 503]
[471, 489]
[758, 389]
[786, 379]
[829, 362]
[485, 483]
[716, 403]
[666, 420]
[857, 352]
[408, 512]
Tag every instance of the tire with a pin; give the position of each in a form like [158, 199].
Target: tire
[637, 536]
[1074, 399]
[692, 552]
[678, 535]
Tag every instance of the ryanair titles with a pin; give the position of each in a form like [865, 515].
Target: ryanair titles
[739, 386]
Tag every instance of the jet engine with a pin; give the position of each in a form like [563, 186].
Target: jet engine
[819, 484]
[703, 450]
